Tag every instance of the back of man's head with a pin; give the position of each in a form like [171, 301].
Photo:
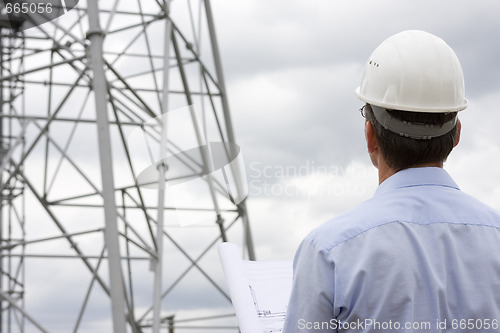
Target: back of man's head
[413, 85]
[402, 152]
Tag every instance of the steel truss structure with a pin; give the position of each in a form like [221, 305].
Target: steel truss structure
[84, 246]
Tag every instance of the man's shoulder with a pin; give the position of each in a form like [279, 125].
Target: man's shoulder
[407, 206]
[475, 207]
[347, 225]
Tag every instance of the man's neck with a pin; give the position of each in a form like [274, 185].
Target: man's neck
[384, 171]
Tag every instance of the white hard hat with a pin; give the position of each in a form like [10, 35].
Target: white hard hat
[413, 71]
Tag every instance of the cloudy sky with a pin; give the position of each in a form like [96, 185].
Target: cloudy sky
[291, 68]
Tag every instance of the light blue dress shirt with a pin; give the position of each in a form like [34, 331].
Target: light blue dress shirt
[420, 256]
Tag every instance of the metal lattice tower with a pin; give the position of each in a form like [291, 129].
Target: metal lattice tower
[83, 244]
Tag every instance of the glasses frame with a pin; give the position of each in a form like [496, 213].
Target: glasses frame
[362, 111]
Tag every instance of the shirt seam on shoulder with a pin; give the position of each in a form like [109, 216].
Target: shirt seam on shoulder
[329, 249]
[429, 184]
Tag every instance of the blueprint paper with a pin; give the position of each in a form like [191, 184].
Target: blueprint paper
[259, 290]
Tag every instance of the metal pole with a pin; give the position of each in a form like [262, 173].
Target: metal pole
[162, 168]
[202, 140]
[96, 37]
[1, 180]
[171, 324]
[227, 116]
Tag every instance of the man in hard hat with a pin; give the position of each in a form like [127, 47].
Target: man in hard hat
[420, 256]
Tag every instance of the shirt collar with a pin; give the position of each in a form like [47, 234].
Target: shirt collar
[428, 176]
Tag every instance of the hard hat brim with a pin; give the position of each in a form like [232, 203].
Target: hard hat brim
[411, 108]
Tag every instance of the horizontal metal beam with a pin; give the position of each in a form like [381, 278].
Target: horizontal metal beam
[88, 121]
[37, 69]
[118, 12]
[62, 256]
[12, 245]
[146, 207]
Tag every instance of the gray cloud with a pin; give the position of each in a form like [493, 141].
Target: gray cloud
[291, 69]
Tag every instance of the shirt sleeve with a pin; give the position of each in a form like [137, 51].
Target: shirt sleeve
[311, 305]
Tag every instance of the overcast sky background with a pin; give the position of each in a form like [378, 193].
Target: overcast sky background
[291, 69]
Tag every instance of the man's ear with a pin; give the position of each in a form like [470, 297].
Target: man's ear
[371, 139]
[459, 130]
